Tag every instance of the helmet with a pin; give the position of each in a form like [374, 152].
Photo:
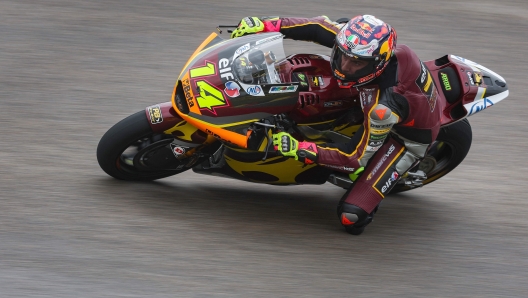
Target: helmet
[362, 50]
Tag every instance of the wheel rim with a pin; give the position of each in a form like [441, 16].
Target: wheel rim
[441, 155]
[126, 160]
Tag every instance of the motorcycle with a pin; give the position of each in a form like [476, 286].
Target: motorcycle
[233, 94]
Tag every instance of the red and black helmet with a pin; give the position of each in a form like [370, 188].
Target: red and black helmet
[362, 50]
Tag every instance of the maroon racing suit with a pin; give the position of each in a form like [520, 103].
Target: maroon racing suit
[401, 118]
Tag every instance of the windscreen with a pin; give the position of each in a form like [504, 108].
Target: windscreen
[256, 62]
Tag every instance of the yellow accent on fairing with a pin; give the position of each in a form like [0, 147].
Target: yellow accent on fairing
[285, 171]
[429, 81]
[185, 128]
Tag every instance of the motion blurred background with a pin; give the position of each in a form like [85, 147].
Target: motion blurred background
[72, 69]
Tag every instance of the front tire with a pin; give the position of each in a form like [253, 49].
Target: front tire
[119, 145]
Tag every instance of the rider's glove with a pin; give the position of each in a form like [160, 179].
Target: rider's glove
[252, 25]
[286, 145]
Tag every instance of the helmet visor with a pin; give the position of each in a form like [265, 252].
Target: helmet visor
[358, 69]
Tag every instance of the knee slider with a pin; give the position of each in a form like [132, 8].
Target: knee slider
[352, 215]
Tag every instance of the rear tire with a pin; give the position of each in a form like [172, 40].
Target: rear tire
[451, 147]
[115, 152]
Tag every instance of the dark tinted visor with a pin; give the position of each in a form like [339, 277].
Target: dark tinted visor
[351, 68]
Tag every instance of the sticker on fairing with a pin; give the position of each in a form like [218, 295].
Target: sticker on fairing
[283, 89]
[155, 114]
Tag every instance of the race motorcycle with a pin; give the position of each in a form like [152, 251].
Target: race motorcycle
[233, 94]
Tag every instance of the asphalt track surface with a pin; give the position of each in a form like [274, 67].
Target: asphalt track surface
[71, 69]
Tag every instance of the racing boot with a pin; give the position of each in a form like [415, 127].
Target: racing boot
[353, 218]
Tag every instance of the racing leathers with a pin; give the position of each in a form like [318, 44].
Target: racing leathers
[401, 120]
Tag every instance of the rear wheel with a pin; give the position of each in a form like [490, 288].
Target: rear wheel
[130, 150]
[447, 152]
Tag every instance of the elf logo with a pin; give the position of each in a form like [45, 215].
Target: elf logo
[388, 184]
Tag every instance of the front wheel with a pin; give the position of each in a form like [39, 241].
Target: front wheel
[447, 152]
[130, 150]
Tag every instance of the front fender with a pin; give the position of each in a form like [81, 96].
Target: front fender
[163, 119]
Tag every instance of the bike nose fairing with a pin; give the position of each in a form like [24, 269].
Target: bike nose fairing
[228, 84]
[492, 87]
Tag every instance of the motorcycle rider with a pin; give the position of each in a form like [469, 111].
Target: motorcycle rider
[398, 98]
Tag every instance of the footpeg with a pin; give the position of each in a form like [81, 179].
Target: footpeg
[415, 179]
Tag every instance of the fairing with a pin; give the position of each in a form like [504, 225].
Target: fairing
[226, 85]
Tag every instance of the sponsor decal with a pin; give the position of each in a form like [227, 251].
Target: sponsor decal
[267, 39]
[445, 81]
[379, 131]
[315, 57]
[366, 49]
[315, 81]
[178, 150]
[357, 28]
[470, 77]
[380, 112]
[366, 78]
[216, 136]
[155, 114]
[208, 69]
[321, 81]
[365, 99]
[331, 104]
[186, 90]
[365, 26]
[283, 89]
[478, 78]
[302, 78]
[374, 143]
[378, 137]
[343, 168]
[339, 74]
[241, 50]
[380, 125]
[394, 176]
[232, 89]
[254, 90]
[424, 81]
[479, 106]
[210, 97]
[225, 69]
[366, 52]
[381, 161]
[370, 148]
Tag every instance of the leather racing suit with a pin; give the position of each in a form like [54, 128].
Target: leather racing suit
[402, 101]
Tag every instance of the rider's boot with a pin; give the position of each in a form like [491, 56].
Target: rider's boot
[353, 218]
